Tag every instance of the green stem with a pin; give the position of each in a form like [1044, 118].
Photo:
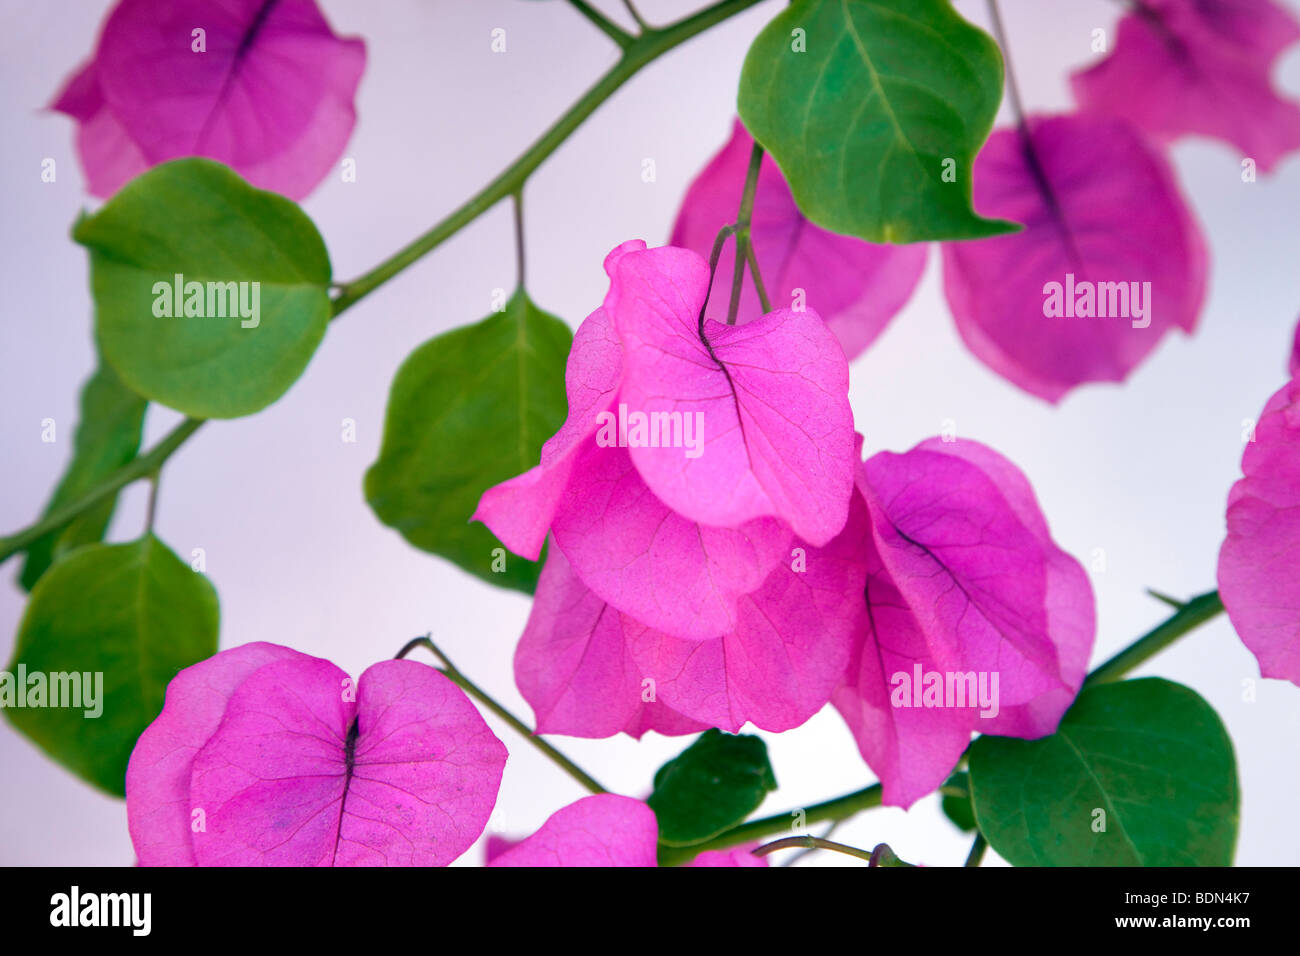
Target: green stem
[757, 276]
[841, 808]
[1191, 615]
[635, 15]
[152, 510]
[637, 53]
[519, 234]
[608, 26]
[811, 843]
[467, 685]
[743, 217]
[642, 50]
[140, 467]
[977, 850]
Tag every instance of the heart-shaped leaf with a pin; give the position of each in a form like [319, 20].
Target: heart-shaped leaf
[875, 110]
[467, 410]
[1140, 773]
[104, 632]
[210, 295]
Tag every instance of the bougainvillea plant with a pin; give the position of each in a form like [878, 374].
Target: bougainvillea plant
[709, 543]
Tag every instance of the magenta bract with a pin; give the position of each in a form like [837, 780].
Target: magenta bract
[693, 451]
[1110, 258]
[263, 756]
[975, 621]
[1201, 67]
[603, 830]
[264, 87]
[1259, 563]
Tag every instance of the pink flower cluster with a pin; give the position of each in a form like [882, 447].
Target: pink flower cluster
[776, 571]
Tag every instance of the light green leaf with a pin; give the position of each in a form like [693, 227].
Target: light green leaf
[108, 437]
[710, 787]
[134, 614]
[468, 410]
[197, 219]
[1140, 773]
[864, 104]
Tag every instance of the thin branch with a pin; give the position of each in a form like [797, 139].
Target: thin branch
[450, 671]
[841, 808]
[1174, 603]
[635, 15]
[743, 217]
[643, 50]
[1191, 615]
[811, 843]
[519, 233]
[608, 26]
[140, 467]
[152, 509]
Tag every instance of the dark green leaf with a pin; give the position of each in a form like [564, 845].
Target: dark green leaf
[865, 117]
[468, 410]
[197, 219]
[108, 437]
[133, 613]
[710, 787]
[1148, 759]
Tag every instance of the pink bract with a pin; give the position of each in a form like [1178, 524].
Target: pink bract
[856, 286]
[670, 533]
[603, 830]
[1259, 563]
[271, 97]
[1105, 222]
[590, 671]
[1201, 67]
[263, 756]
[962, 579]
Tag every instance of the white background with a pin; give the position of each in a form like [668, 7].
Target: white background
[1141, 471]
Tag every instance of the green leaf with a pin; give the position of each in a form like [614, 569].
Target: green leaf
[133, 613]
[863, 119]
[197, 219]
[710, 787]
[108, 437]
[958, 809]
[468, 410]
[1147, 758]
